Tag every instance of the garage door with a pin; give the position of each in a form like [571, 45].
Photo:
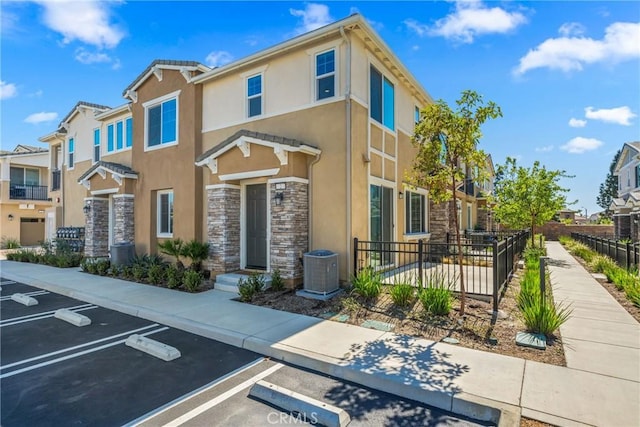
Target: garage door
[31, 231]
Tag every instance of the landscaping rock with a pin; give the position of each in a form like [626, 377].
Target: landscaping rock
[450, 340]
[499, 314]
[527, 339]
[375, 324]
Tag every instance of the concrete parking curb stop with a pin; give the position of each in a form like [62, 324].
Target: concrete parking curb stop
[72, 317]
[24, 299]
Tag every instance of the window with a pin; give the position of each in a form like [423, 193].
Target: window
[96, 145]
[165, 213]
[325, 75]
[254, 95]
[416, 115]
[628, 178]
[129, 130]
[382, 103]
[162, 123]
[381, 220]
[415, 212]
[71, 152]
[24, 176]
[637, 176]
[119, 135]
[110, 138]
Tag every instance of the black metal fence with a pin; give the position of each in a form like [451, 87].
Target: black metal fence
[487, 262]
[28, 192]
[625, 253]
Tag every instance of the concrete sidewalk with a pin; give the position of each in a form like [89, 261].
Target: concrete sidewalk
[587, 392]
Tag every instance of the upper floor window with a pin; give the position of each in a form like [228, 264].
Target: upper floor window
[415, 212]
[71, 153]
[628, 178]
[637, 176]
[165, 213]
[161, 121]
[24, 176]
[254, 96]
[119, 135]
[381, 99]
[416, 115]
[325, 75]
[96, 145]
[128, 124]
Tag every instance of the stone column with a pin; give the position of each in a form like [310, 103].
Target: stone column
[124, 227]
[223, 227]
[625, 226]
[96, 243]
[289, 228]
[441, 221]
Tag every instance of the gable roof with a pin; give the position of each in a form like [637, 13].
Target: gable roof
[355, 22]
[633, 147]
[77, 107]
[22, 149]
[168, 64]
[101, 167]
[243, 134]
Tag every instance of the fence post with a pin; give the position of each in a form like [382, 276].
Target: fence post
[495, 274]
[355, 257]
[420, 261]
[628, 255]
[543, 279]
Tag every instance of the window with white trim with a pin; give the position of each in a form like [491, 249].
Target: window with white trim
[128, 124]
[24, 176]
[96, 145]
[381, 99]
[415, 213]
[162, 123]
[254, 95]
[71, 153]
[325, 74]
[416, 115]
[165, 213]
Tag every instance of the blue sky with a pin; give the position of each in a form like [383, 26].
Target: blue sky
[566, 74]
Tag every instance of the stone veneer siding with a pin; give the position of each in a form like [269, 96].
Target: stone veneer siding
[97, 228]
[440, 221]
[622, 224]
[289, 229]
[223, 228]
[124, 227]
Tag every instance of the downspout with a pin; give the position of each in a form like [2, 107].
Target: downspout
[347, 98]
[310, 205]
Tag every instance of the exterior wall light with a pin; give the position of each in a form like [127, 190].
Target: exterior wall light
[279, 198]
[86, 208]
[400, 195]
[10, 216]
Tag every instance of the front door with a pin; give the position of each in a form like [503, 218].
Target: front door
[256, 226]
[382, 224]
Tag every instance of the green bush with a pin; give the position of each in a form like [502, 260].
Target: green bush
[174, 276]
[192, 280]
[544, 317]
[102, 266]
[9, 243]
[367, 283]
[402, 294]
[156, 274]
[632, 290]
[249, 287]
[277, 284]
[139, 271]
[435, 300]
[196, 252]
[602, 263]
[173, 247]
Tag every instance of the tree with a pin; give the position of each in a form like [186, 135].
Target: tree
[609, 188]
[447, 139]
[527, 197]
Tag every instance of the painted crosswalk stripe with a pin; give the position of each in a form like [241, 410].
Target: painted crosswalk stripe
[74, 355]
[43, 317]
[66, 350]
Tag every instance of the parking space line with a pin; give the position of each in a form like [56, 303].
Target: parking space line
[41, 314]
[91, 307]
[29, 294]
[224, 396]
[7, 282]
[66, 350]
[74, 355]
[196, 392]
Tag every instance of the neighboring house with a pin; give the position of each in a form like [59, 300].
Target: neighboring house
[298, 147]
[626, 207]
[24, 194]
[567, 215]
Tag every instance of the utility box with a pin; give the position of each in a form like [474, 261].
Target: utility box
[122, 253]
[321, 272]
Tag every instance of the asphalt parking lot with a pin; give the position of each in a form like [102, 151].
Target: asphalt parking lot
[54, 373]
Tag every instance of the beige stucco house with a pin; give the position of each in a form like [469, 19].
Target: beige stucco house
[626, 207]
[24, 194]
[298, 147]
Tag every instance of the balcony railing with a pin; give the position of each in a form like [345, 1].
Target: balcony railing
[28, 192]
[55, 180]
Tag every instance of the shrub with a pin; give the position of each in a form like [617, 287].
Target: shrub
[156, 274]
[367, 283]
[277, 284]
[127, 271]
[116, 270]
[102, 266]
[196, 252]
[9, 243]
[174, 276]
[402, 294]
[633, 293]
[436, 300]
[544, 317]
[173, 247]
[602, 263]
[192, 280]
[247, 288]
[139, 271]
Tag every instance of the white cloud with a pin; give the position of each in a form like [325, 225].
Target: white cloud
[579, 145]
[41, 117]
[470, 19]
[9, 21]
[569, 29]
[621, 42]
[36, 94]
[218, 58]
[544, 149]
[621, 115]
[7, 90]
[86, 21]
[313, 16]
[577, 123]
[85, 57]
